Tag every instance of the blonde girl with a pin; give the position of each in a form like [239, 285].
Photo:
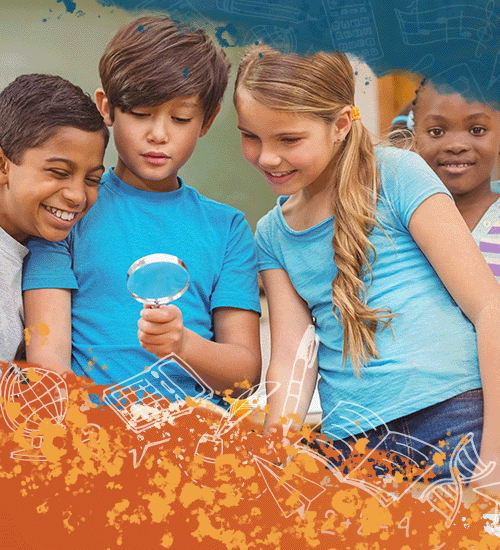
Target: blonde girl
[366, 243]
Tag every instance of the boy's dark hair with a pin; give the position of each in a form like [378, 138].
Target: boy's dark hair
[34, 106]
[151, 61]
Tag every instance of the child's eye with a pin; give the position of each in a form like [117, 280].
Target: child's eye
[290, 139]
[138, 115]
[248, 136]
[93, 181]
[181, 120]
[58, 173]
[436, 132]
[477, 130]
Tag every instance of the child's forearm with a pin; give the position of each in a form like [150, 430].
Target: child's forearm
[49, 360]
[233, 357]
[487, 327]
[223, 366]
[283, 403]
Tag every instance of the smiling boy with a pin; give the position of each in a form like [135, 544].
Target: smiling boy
[161, 90]
[52, 142]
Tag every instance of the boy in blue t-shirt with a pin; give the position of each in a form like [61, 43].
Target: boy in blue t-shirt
[162, 89]
[52, 142]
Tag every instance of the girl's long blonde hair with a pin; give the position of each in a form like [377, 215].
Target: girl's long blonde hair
[321, 86]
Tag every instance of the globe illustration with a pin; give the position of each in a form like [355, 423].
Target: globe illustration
[31, 394]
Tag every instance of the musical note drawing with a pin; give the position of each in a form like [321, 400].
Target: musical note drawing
[353, 28]
[456, 22]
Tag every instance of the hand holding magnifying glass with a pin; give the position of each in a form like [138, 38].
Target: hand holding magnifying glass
[157, 280]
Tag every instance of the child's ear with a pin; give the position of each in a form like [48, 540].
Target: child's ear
[4, 168]
[209, 122]
[343, 123]
[103, 105]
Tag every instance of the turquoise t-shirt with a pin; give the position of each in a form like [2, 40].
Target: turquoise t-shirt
[431, 355]
[212, 239]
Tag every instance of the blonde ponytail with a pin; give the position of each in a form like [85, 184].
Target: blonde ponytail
[354, 209]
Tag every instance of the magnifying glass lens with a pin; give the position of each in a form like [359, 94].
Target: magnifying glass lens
[157, 279]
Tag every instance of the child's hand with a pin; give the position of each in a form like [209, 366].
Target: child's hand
[161, 330]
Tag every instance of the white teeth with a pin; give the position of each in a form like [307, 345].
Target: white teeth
[67, 216]
[279, 174]
[459, 165]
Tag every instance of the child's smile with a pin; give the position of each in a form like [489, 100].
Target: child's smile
[53, 186]
[459, 140]
[292, 151]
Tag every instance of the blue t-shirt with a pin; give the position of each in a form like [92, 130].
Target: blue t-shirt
[432, 355]
[214, 241]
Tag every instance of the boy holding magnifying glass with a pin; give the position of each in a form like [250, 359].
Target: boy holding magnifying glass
[161, 91]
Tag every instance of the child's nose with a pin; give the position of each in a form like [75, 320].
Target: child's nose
[268, 158]
[457, 144]
[75, 192]
[157, 131]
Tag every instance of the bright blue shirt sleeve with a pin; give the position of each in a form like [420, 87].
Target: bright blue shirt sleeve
[49, 265]
[239, 267]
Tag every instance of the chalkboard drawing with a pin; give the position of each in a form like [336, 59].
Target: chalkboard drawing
[460, 79]
[304, 360]
[476, 23]
[251, 402]
[445, 495]
[181, 11]
[291, 11]
[353, 28]
[495, 71]
[281, 491]
[150, 400]
[424, 64]
[31, 395]
[278, 38]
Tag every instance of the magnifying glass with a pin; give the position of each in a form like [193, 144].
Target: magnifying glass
[157, 279]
